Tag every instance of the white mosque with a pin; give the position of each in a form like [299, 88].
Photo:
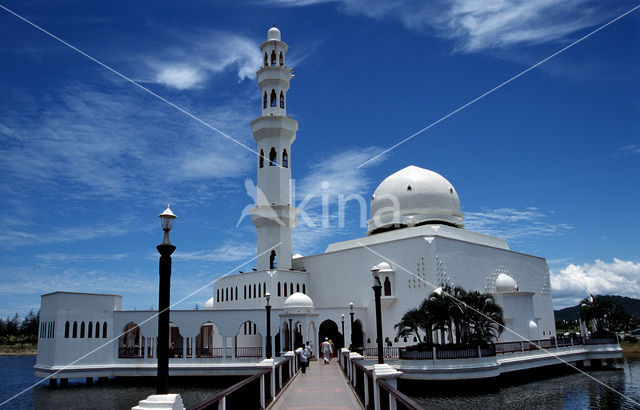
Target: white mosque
[415, 239]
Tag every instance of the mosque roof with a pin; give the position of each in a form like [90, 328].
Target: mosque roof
[414, 196]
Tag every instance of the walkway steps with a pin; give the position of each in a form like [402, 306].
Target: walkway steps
[321, 387]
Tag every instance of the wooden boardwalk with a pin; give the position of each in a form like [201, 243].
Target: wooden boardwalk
[321, 387]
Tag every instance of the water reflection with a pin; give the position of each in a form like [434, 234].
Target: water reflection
[16, 374]
[553, 388]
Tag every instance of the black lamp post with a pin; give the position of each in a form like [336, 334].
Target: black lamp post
[268, 309]
[165, 249]
[377, 290]
[343, 338]
[351, 314]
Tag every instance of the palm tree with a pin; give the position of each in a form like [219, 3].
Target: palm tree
[485, 317]
[409, 323]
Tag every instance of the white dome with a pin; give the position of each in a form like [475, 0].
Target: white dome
[298, 303]
[273, 34]
[413, 196]
[209, 304]
[384, 267]
[296, 256]
[505, 283]
[533, 330]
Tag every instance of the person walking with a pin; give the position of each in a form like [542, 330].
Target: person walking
[326, 350]
[303, 357]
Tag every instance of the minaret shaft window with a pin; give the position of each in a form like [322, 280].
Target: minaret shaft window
[285, 159]
[273, 161]
[273, 58]
[281, 58]
[261, 158]
[274, 98]
[264, 100]
[281, 99]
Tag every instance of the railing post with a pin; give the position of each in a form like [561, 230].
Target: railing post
[385, 372]
[353, 357]
[365, 379]
[223, 403]
[269, 364]
[262, 401]
[571, 339]
[479, 352]
[522, 346]
[433, 350]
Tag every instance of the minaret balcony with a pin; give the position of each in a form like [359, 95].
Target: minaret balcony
[276, 126]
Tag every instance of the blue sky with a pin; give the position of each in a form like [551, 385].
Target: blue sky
[550, 161]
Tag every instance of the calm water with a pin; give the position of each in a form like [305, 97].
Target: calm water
[554, 389]
[549, 391]
[16, 374]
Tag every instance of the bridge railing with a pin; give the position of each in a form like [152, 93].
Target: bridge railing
[254, 392]
[361, 381]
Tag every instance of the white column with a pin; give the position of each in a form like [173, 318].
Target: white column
[388, 373]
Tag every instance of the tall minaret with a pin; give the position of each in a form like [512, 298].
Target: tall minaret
[274, 216]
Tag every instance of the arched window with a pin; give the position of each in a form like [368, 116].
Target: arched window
[285, 289]
[273, 159]
[255, 295]
[249, 291]
[82, 330]
[266, 59]
[226, 295]
[66, 330]
[304, 289]
[264, 100]
[273, 57]
[261, 159]
[97, 330]
[285, 158]
[279, 294]
[90, 330]
[104, 330]
[218, 295]
[387, 286]
[264, 288]
[75, 329]
[236, 293]
[259, 291]
[291, 288]
[273, 260]
[281, 58]
[281, 99]
[297, 287]
[245, 291]
[274, 98]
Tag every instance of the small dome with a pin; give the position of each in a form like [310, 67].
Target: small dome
[414, 196]
[384, 267]
[273, 34]
[505, 283]
[298, 303]
[533, 330]
[209, 304]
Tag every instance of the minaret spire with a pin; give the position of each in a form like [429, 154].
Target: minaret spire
[274, 216]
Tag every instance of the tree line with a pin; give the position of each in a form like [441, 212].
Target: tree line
[14, 330]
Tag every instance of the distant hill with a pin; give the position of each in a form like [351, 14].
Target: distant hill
[630, 305]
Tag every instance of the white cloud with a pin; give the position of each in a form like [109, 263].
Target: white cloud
[228, 252]
[477, 24]
[512, 224]
[575, 282]
[194, 58]
[181, 77]
[330, 178]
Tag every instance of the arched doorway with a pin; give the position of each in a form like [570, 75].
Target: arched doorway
[358, 335]
[297, 336]
[175, 341]
[209, 341]
[286, 337]
[329, 329]
[248, 340]
[131, 343]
